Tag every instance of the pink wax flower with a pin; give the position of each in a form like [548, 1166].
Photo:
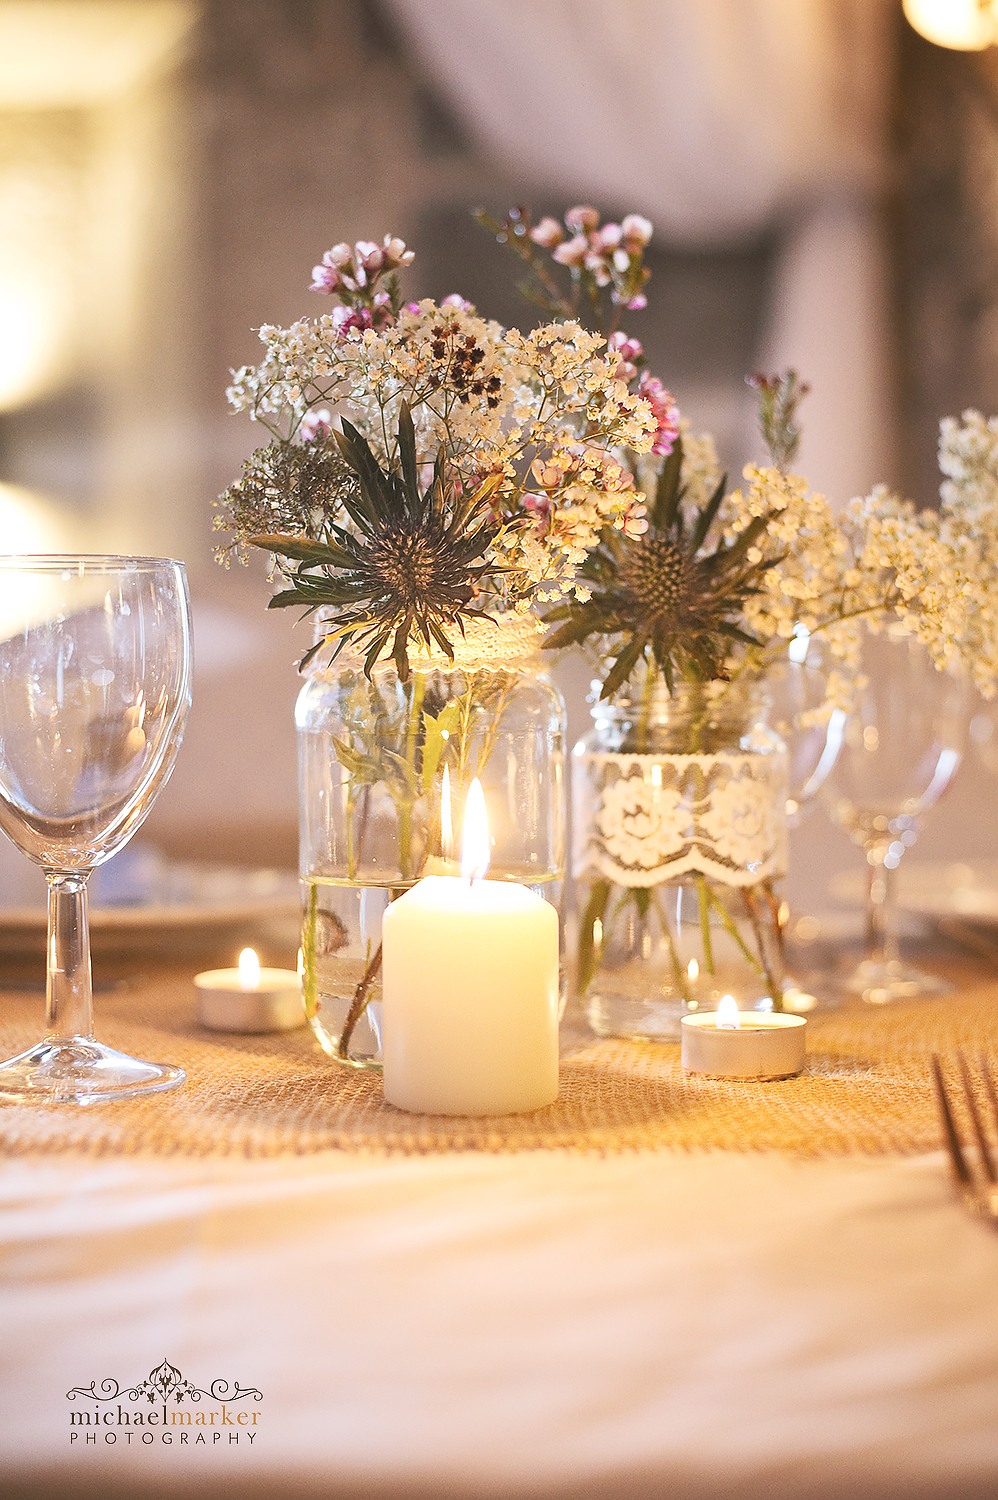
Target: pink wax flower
[324, 279]
[571, 252]
[547, 233]
[347, 320]
[540, 507]
[636, 231]
[630, 350]
[368, 255]
[548, 476]
[607, 238]
[582, 218]
[634, 523]
[595, 262]
[395, 253]
[456, 300]
[665, 411]
[315, 424]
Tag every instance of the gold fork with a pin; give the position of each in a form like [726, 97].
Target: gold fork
[977, 1182]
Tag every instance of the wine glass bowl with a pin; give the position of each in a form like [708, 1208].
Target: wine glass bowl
[95, 670]
[900, 748]
[797, 685]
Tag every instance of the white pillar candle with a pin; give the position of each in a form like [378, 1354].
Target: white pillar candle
[470, 997]
[724, 1044]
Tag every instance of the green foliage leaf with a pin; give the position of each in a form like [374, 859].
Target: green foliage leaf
[599, 896]
[434, 744]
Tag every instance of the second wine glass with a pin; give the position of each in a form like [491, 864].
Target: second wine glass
[900, 749]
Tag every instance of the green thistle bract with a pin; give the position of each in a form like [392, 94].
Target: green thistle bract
[657, 599]
[411, 564]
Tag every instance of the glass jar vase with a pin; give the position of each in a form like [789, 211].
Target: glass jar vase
[680, 836]
[384, 769]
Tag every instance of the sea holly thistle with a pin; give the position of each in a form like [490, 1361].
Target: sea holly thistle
[660, 598]
[411, 563]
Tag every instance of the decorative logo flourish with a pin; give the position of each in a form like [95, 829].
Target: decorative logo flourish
[165, 1383]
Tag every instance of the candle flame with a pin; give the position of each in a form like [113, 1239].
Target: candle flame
[446, 825]
[693, 969]
[728, 1018]
[475, 847]
[249, 970]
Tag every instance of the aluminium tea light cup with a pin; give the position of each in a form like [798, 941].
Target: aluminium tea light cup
[250, 999]
[724, 1044]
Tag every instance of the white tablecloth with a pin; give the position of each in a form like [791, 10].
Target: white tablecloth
[535, 1324]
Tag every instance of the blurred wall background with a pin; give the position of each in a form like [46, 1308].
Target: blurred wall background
[823, 185]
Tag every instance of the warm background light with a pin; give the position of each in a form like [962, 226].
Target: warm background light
[968, 25]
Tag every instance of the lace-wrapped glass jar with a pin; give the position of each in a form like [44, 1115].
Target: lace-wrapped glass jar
[679, 839]
[384, 769]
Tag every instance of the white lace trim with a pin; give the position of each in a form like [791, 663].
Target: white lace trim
[657, 817]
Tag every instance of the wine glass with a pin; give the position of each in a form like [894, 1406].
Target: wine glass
[797, 684]
[95, 672]
[901, 746]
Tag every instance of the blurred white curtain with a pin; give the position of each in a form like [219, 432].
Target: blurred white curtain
[716, 118]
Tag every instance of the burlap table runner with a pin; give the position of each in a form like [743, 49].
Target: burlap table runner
[866, 1090]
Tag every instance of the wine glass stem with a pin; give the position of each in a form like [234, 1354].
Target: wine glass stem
[881, 931]
[68, 993]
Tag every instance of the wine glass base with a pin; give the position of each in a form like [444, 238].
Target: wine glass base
[883, 983]
[79, 1070]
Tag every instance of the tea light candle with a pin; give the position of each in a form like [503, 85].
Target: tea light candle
[250, 998]
[725, 1044]
[470, 990]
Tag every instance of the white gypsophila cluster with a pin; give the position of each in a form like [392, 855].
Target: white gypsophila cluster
[968, 457]
[934, 574]
[544, 410]
[810, 581]
[945, 563]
